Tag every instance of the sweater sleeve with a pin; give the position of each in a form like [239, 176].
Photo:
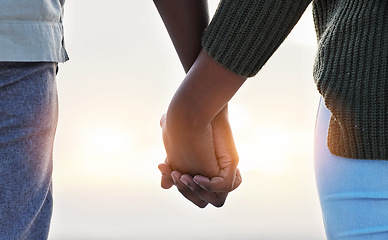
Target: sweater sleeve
[243, 34]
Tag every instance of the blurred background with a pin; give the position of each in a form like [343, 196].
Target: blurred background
[122, 74]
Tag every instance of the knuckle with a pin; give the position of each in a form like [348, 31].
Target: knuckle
[219, 204]
[202, 205]
[207, 188]
[196, 189]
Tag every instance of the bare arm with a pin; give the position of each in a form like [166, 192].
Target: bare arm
[203, 94]
[185, 22]
[197, 135]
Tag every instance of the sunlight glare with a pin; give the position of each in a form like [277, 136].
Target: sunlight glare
[105, 151]
[269, 153]
[240, 116]
[108, 141]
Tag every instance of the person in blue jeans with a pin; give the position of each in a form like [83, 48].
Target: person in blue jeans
[31, 45]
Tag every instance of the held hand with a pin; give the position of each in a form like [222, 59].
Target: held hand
[201, 190]
[189, 150]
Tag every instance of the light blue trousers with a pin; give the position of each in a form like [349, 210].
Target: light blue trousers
[28, 119]
[353, 193]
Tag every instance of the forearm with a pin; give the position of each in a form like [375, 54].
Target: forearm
[185, 22]
[206, 89]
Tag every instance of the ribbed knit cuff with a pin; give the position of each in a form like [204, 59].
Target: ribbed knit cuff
[243, 34]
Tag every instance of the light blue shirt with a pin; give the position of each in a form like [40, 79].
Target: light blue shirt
[31, 31]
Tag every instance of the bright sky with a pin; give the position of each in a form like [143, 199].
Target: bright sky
[122, 74]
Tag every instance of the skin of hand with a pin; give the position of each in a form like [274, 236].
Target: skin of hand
[197, 134]
[201, 190]
[190, 150]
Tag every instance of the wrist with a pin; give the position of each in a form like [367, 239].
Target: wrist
[183, 115]
[205, 91]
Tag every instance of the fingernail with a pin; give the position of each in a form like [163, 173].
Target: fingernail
[198, 179]
[184, 180]
[174, 176]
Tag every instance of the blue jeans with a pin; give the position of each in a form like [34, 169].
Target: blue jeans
[353, 192]
[28, 119]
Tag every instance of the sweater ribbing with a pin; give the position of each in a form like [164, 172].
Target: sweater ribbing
[350, 73]
[350, 70]
[243, 34]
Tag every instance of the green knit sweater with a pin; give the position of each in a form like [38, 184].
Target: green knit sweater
[351, 66]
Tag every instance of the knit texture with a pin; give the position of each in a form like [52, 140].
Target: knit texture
[350, 69]
[243, 34]
[351, 74]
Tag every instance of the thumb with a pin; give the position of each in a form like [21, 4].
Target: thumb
[166, 181]
[237, 179]
[162, 121]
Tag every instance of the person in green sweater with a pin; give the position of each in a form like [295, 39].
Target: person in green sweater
[350, 72]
